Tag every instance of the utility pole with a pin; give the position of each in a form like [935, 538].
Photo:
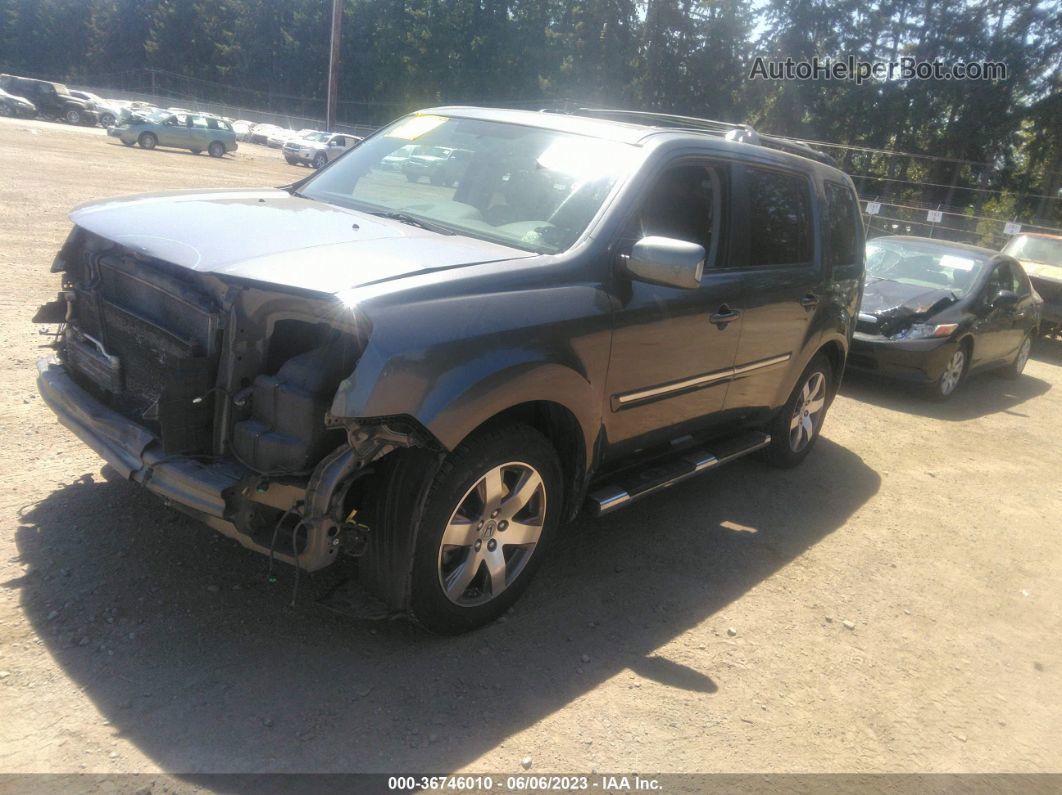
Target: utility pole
[333, 67]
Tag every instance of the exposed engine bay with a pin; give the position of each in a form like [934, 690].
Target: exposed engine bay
[219, 392]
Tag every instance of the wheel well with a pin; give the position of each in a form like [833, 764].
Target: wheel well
[563, 431]
[967, 342]
[834, 354]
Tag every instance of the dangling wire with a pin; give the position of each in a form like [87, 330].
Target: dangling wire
[276, 529]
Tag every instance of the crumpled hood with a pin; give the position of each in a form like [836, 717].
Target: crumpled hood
[271, 236]
[882, 295]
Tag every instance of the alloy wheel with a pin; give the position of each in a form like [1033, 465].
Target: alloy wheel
[809, 405]
[492, 534]
[952, 374]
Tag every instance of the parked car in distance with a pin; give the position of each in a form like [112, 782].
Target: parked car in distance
[318, 149]
[439, 164]
[596, 313]
[279, 136]
[52, 100]
[1041, 257]
[242, 128]
[107, 110]
[934, 312]
[196, 132]
[11, 105]
[395, 161]
[260, 133]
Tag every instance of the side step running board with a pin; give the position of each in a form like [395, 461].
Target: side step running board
[660, 475]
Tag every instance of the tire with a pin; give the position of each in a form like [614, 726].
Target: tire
[147, 140]
[196, 151]
[216, 149]
[954, 373]
[291, 162]
[72, 116]
[6, 110]
[127, 143]
[796, 428]
[410, 177]
[1021, 358]
[452, 588]
[107, 120]
[320, 160]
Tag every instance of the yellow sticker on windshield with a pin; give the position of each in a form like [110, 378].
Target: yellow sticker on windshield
[415, 126]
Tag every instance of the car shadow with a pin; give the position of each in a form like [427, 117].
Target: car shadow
[191, 653]
[977, 396]
[166, 150]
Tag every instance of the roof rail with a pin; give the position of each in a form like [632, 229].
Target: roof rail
[742, 133]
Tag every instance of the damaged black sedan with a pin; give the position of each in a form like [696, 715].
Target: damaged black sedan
[933, 312]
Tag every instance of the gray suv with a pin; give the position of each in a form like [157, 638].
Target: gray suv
[432, 379]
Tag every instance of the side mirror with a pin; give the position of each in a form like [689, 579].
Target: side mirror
[667, 262]
[1005, 299]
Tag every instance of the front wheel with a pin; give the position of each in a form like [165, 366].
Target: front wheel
[127, 143]
[320, 160]
[796, 428]
[147, 140]
[954, 371]
[73, 116]
[107, 120]
[216, 149]
[489, 514]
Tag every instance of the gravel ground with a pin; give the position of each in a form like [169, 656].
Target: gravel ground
[891, 605]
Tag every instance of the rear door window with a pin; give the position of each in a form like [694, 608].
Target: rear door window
[779, 218]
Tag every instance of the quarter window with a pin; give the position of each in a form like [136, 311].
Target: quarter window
[779, 218]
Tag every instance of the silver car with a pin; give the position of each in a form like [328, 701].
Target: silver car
[318, 149]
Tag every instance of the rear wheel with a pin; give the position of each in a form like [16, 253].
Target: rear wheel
[107, 120]
[1021, 358]
[216, 149]
[73, 116]
[796, 428]
[147, 140]
[489, 514]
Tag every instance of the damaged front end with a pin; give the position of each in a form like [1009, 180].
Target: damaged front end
[215, 394]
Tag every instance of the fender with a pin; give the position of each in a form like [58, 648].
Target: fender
[451, 364]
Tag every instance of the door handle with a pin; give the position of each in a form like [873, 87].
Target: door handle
[809, 301]
[723, 315]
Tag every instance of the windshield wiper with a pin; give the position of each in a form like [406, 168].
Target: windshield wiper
[412, 220]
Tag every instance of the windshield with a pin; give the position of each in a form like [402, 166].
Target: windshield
[923, 265]
[521, 186]
[320, 137]
[1035, 249]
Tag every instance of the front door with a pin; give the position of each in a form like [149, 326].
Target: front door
[998, 331]
[781, 278]
[173, 132]
[673, 349]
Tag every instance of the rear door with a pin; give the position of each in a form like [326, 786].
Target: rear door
[781, 282]
[673, 349]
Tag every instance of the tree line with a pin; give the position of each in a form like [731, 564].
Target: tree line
[997, 144]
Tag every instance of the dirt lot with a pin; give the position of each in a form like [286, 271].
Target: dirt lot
[895, 602]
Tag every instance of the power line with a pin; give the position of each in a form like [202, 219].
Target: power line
[955, 187]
